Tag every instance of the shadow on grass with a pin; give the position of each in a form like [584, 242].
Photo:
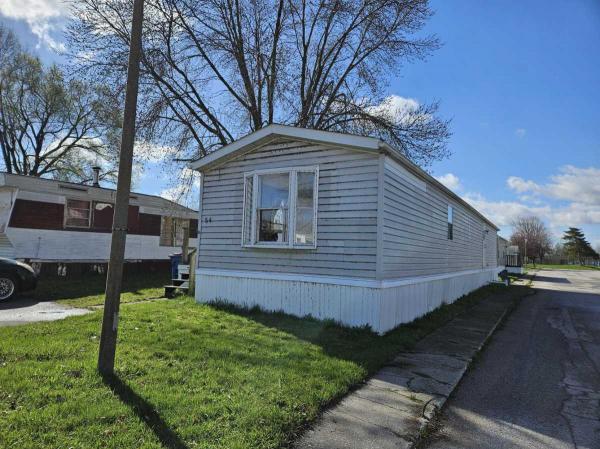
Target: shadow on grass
[145, 411]
[50, 289]
[360, 344]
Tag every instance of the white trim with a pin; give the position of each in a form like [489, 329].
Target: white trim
[41, 197]
[354, 282]
[380, 215]
[199, 215]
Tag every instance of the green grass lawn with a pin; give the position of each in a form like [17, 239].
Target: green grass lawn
[189, 375]
[541, 266]
[88, 290]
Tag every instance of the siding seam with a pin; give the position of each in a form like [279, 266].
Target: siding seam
[380, 216]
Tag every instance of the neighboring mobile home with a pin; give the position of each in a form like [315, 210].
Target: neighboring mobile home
[48, 221]
[335, 226]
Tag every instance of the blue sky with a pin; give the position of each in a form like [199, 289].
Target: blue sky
[520, 80]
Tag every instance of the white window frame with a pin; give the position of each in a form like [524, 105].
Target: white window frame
[292, 196]
[66, 214]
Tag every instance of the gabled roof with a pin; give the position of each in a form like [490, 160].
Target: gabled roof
[270, 132]
[351, 141]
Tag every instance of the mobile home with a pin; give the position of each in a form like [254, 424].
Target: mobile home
[335, 226]
[48, 221]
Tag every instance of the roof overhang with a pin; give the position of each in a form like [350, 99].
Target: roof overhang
[360, 143]
[271, 132]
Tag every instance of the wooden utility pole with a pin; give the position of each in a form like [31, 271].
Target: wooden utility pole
[108, 339]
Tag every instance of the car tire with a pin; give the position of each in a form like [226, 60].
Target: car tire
[8, 287]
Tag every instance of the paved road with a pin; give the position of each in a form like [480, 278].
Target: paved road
[537, 384]
[23, 311]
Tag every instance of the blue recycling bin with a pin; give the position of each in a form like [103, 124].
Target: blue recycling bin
[175, 261]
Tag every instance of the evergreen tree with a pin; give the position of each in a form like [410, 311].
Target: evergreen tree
[576, 247]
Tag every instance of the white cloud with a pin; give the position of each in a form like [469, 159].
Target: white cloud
[450, 180]
[395, 104]
[581, 185]
[185, 189]
[570, 198]
[519, 185]
[44, 17]
[398, 109]
[503, 213]
[520, 132]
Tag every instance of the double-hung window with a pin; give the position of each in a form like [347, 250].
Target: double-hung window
[280, 208]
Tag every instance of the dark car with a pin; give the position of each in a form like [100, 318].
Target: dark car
[15, 277]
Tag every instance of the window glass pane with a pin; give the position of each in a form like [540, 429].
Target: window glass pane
[78, 213]
[450, 223]
[166, 231]
[272, 225]
[304, 225]
[306, 186]
[305, 213]
[178, 225]
[79, 222]
[272, 213]
[274, 190]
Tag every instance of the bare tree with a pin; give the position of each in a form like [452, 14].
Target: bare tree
[49, 125]
[532, 237]
[213, 70]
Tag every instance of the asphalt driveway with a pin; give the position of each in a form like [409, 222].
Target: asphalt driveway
[22, 311]
[537, 384]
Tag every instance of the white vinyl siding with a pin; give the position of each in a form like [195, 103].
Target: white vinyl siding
[77, 246]
[346, 221]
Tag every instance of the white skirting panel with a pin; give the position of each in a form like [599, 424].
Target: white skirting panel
[383, 305]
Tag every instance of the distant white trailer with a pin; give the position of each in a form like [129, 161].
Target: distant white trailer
[335, 226]
[48, 221]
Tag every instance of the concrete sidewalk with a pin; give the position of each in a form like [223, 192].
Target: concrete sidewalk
[395, 406]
